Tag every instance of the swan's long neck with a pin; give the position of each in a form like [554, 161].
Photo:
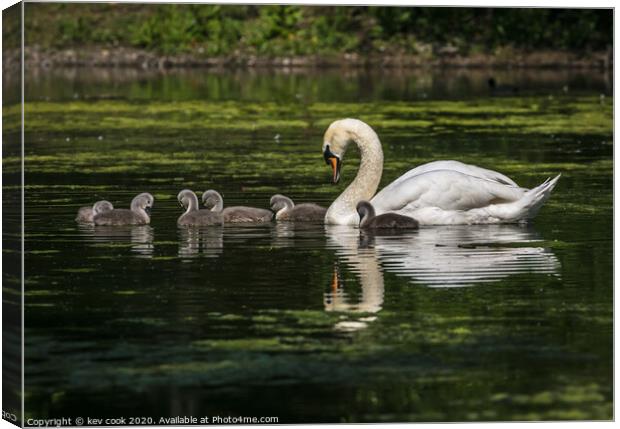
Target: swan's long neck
[365, 263]
[342, 211]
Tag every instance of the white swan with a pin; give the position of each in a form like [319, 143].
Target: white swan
[437, 193]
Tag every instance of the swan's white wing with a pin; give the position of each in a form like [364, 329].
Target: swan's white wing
[445, 189]
[468, 169]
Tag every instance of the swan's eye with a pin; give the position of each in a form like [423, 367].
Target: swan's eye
[327, 154]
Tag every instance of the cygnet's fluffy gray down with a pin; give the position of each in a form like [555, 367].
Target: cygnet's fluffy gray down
[368, 220]
[139, 213]
[86, 214]
[213, 201]
[286, 210]
[193, 216]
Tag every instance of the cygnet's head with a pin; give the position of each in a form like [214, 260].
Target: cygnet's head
[144, 202]
[279, 202]
[102, 207]
[212, 200]
[366, 211]
[187, 199]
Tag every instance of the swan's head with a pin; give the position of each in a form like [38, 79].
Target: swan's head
[280, 202]
[212, 200]
[102, 207]
[336, 139]
[144, 202]
[335, 142]
[187, 199]
[366, 211]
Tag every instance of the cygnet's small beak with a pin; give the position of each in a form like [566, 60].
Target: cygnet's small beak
[148, 209]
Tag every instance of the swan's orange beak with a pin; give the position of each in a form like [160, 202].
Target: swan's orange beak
[335, 280]
[334, 161]
[335, 169]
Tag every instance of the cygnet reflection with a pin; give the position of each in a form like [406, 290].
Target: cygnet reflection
[139, 237]
[291, 234]
[201, 241]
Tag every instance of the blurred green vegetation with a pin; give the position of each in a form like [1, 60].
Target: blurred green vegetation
[305, 30]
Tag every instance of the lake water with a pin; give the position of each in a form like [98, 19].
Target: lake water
[304, 322]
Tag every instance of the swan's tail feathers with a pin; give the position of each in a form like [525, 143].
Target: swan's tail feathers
[535, 198]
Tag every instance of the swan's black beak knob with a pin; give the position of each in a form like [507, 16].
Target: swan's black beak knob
[334, 161]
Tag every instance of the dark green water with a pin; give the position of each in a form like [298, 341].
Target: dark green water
[304, 322]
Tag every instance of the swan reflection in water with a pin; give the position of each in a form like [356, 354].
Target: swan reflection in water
[454, 256]
[139, 237]
[207, 241]
[364, 262]
[463, 255]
